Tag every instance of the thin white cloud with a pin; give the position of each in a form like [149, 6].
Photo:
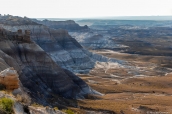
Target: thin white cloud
[85, 8]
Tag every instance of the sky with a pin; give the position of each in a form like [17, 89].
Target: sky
[85, 8]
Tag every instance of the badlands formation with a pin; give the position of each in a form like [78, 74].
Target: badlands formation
[61, 47]
[40, 78]
[90, 70]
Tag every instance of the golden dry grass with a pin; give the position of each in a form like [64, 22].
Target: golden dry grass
[127, 94]
[154, 93]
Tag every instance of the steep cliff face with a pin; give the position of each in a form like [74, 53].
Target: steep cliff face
[69, 25]
[45, 82]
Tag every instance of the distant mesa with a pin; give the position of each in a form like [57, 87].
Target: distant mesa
[15, 20]
[69, 25]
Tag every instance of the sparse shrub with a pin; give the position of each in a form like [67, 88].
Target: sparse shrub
[37, 105]
[56, 108]
[24, 98]
[6, 104]
[19, 98]
[68, 111]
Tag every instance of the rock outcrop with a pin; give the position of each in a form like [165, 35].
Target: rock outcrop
[44, 110]
[9, 78]
[20, 109]
[69, 25]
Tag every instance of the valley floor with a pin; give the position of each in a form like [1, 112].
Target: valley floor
[130, 93]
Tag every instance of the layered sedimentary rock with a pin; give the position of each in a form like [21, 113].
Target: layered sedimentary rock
[62, 48]
[95, 40]
[45, 82]
[9, 78]
[69, 25]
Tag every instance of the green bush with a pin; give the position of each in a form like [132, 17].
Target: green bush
[68, 111]
[6, 104]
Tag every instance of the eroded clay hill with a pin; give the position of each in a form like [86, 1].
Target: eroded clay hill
[40, 77]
